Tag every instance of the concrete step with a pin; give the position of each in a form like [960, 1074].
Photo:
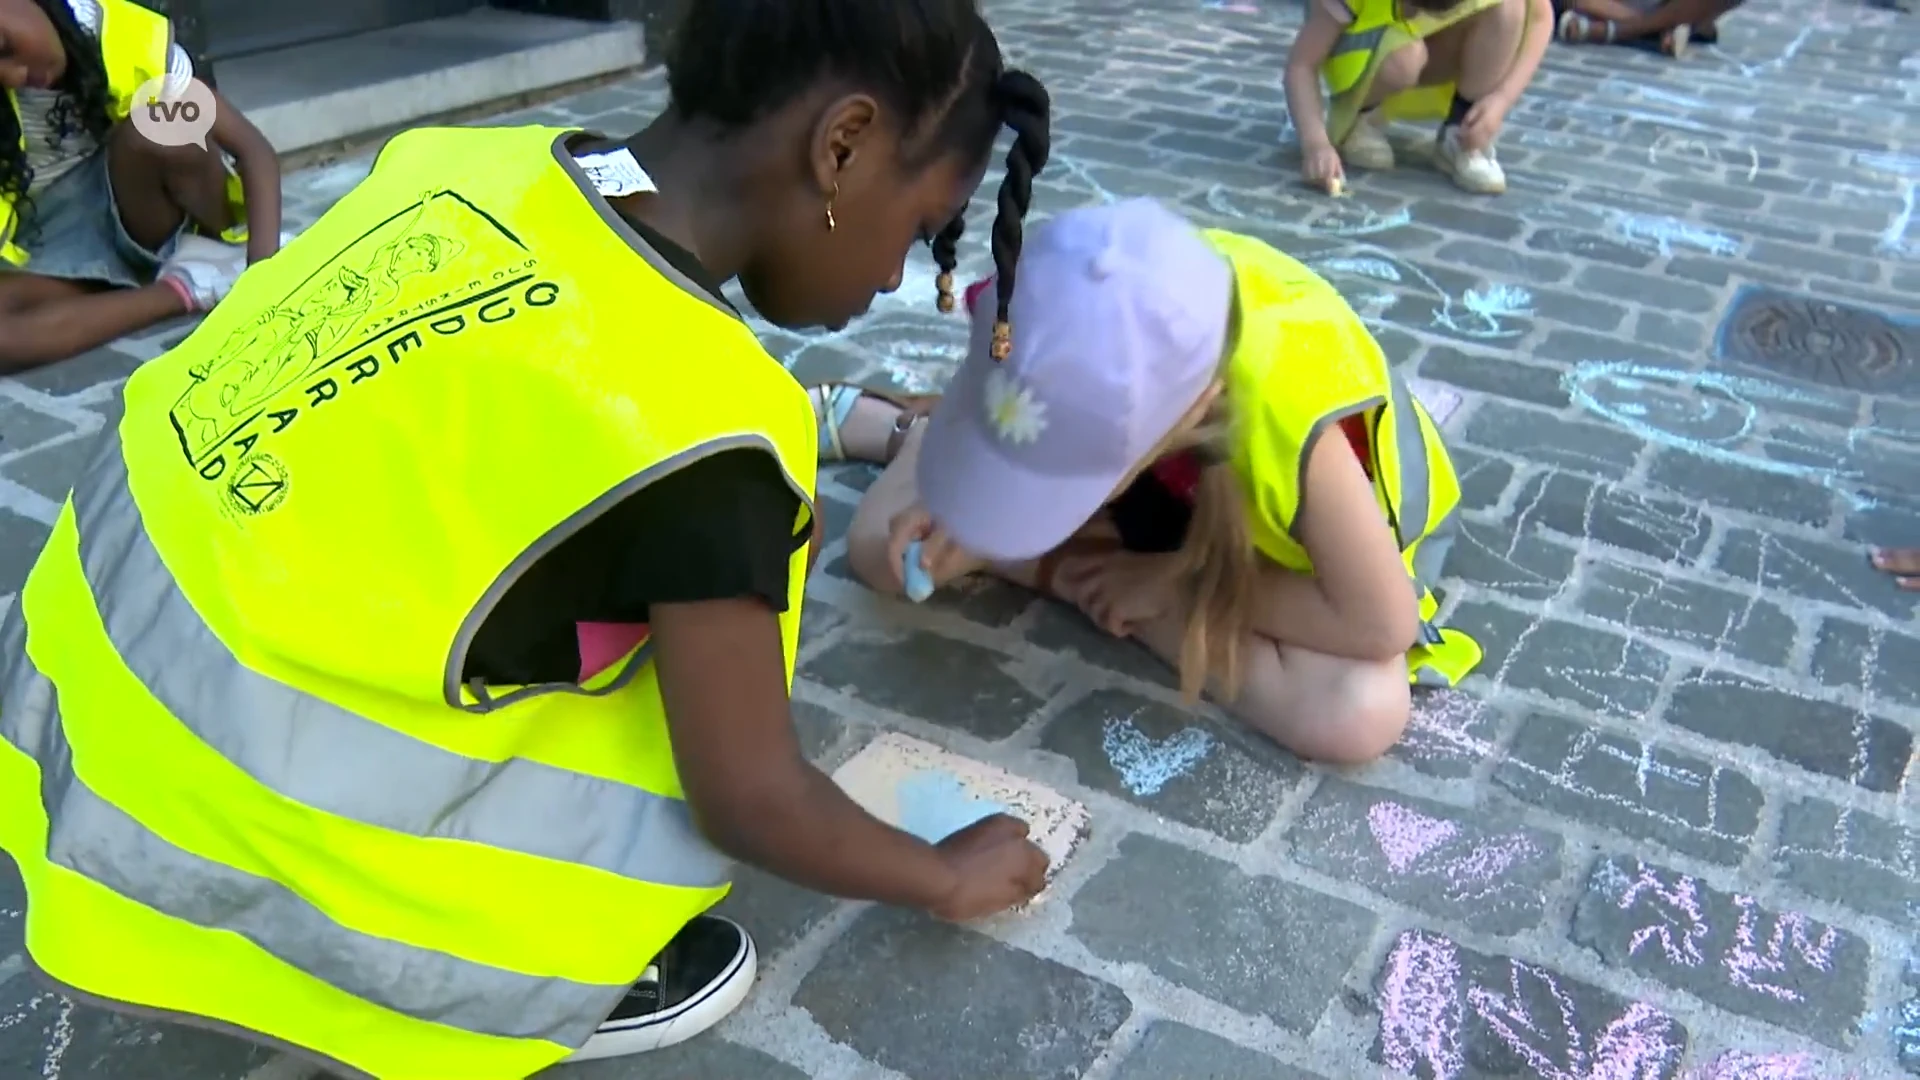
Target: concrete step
[346, 88]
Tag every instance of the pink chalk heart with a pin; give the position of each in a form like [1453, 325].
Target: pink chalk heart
[1405, 835]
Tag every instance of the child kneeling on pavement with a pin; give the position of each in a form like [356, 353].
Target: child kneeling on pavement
[1194, 440]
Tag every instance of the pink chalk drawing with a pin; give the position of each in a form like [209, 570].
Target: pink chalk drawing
[1750, 960]
[1678, 906]
[1421, 1012]
[1405, 835]
[1426, 1005]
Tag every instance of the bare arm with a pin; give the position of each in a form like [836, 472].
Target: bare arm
[259, 168]
[1311, 47]
[1533, 49]
[754, 794]
[1359, 602]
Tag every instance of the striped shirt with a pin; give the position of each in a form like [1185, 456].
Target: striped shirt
[51, 153]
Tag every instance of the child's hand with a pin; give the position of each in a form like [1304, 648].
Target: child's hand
[995, 867]
[1320, 166]
[940, 558]
[1121, 591]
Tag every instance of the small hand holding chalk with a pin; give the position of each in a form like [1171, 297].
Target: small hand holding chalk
[919, 583]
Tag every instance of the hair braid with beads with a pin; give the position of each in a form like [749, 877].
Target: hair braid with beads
[1025, 110]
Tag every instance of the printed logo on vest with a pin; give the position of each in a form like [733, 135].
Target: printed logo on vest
[259, 485]
[437, 268]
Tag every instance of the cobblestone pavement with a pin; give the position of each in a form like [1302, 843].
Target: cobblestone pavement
[1666, 832]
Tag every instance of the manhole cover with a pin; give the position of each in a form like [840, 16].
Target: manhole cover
[1821, 341]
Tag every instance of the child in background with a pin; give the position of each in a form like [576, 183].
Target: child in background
[1194, 440]
[1673, 24]
[103, 233]
[1463, 62]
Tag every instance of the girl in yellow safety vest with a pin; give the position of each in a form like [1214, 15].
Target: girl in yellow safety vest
[104, 232]
[1462, 62]
[1193, 440]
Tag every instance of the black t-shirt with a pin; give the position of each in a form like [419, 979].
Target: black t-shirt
[721, 528]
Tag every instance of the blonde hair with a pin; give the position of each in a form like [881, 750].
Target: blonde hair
[1217, 559]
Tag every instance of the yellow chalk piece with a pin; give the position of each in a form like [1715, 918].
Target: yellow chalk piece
[1337, 187]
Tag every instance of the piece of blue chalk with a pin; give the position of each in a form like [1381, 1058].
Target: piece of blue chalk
[919, 583]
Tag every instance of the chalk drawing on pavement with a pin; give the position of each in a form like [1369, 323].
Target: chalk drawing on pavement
[1706, 413]
[1485, 311]
[1146, 765]
[934, 805]
[1698, 154]
[1663, 235]
[1432, 1007]
[1342, 218]
[1415, 843]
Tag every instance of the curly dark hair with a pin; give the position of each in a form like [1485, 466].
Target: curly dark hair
[935, 62]
[83, 107]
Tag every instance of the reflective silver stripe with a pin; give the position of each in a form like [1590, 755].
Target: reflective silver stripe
[96, 839]
[325, 757]
[1364, 41]
[1415, 495]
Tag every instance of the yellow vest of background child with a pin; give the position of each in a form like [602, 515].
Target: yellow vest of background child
[239, 769]
[1377, 31]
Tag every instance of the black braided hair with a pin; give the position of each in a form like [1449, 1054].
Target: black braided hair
[1025, 109]
[83, 107]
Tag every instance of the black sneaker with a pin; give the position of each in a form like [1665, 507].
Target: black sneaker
[703, 974]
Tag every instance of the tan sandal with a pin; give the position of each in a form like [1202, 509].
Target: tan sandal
[834, 402]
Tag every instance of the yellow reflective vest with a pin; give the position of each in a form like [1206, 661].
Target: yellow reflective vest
[1377, 31]
[135, 44]
[240, 769]
[1302, 363]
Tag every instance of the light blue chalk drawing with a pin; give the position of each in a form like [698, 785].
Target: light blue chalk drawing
[1146, 766]
[1705, 413]
[1481, 312]
[1347, 219]
[1906, 1033]
[1894, 241]
[1786, 56]
[1664, 234]
[1078, 171]
[1670, 145]
[1896, 164]
[934, 805]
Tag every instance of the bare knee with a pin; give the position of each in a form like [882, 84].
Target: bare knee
[1373, 704]
[867, 542]
[1401, 69]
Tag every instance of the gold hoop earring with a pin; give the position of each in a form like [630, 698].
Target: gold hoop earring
[832, 224]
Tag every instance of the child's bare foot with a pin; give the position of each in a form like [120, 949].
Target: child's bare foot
[1902, 563]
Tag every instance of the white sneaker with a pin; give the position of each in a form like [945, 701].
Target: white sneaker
[703, 974]
[1366, 146]
[1477, 171]
[203, 270]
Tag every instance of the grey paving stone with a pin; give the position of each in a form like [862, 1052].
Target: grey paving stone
[1449, 734]
[955, 1005]
[44, 1035]
[21, 539]
[706, 1057]
[1171, 1051]
[1832, 740]
[1577, 309]
[1647, 290]
[1596, 669]
[1482, 870]
[1739, 487]
[1484, 220]
[1483, 477]
[22, 428]
[1852, 858]
[1887, 662]
[1813, 570]
[83, 372]
[1176, 764]
[935, 678]
[1059, 628]
[1257, 944]
[1669, 331]
[985, 600]
[1706, 617]
[1450, 1013]
[777, 913]
[818, 727]
[1589, 245]
[1549, 439]
[1636, 788]
[1521, 564]
[1495, 375]
[1666, 529]
[50, 470]
[1727, 948]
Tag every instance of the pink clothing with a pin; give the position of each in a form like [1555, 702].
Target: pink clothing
[603, 644]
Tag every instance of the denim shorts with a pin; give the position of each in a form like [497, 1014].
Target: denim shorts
[73, 231]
